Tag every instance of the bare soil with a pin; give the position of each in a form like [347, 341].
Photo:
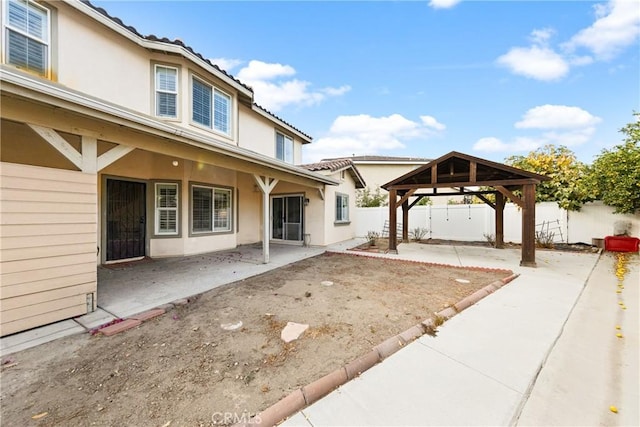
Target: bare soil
[182, 368]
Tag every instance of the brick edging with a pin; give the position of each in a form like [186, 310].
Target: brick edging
[314, 391]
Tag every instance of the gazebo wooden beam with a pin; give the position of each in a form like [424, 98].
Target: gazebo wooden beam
[393, 238]
[440, 184]
[515, 199]
[405, 197]
[529, 226]
[499, 215]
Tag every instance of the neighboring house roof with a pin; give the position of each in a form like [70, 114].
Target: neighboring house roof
[337, 165]
[217, 70]
[385, 159]
[462, 170]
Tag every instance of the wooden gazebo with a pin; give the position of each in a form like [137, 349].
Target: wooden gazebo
[461, 174]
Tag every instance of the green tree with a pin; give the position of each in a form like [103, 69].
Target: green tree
[615, 173]
[559, 163]
[366, 198]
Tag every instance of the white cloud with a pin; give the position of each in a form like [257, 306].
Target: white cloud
[275, 88]
[616, 27]
[226, 64]
[443, 4]
[558, 124]
[556, 117]
[258, 70]
[542, 36]
[536, 62]
[336, 91]
[489, 144]
[363, 134]
[492, 144]
[431, 122]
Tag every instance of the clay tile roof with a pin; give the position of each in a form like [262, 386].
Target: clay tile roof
[328, 165]
[288, 124]
[336, 165]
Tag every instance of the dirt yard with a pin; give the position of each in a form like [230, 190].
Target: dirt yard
[182, 368]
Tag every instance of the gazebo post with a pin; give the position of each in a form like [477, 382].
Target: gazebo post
[393, 242]
[405, 221]
[499, 212]
[528, 226]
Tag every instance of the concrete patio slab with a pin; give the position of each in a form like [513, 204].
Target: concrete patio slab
[95, 319]
[37, 336]
[126, 290]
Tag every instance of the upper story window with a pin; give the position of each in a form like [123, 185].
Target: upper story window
[26, 29]
[166, 91]
[284, 148]
[210, 107]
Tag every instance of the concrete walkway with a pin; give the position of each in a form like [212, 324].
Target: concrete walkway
[482, 367]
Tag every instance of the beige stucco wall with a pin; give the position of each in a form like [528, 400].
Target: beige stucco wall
[97, 61]
[249, 213]
[338, 232]
[258, 134]
[152, 168]
[376, 175]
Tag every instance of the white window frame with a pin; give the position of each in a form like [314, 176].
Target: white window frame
[158, 209]
[229, 215]
[7, 27]
[212, 112]
[342, 207]
[158, 90]
[287, 156]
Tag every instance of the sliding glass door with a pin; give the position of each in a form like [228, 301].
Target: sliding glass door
[286, 218]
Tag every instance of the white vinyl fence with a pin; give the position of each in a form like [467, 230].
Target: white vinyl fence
[473, 222]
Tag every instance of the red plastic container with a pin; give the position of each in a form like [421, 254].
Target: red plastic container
[621, 243]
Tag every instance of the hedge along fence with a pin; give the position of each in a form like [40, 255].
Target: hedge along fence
[473, 222]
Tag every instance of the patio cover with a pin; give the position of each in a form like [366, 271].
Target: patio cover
[461, 174]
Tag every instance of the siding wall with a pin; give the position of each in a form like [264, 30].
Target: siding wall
[47, 245]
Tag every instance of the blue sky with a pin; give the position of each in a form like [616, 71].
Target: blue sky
[422, 78]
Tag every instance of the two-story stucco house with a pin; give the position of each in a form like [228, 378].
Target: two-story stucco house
[118, 146]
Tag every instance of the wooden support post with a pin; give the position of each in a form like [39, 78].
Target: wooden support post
[528, 226]
[499, 212]
[89, 154]
[266, 185]
[393, 238]
[405, 221]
